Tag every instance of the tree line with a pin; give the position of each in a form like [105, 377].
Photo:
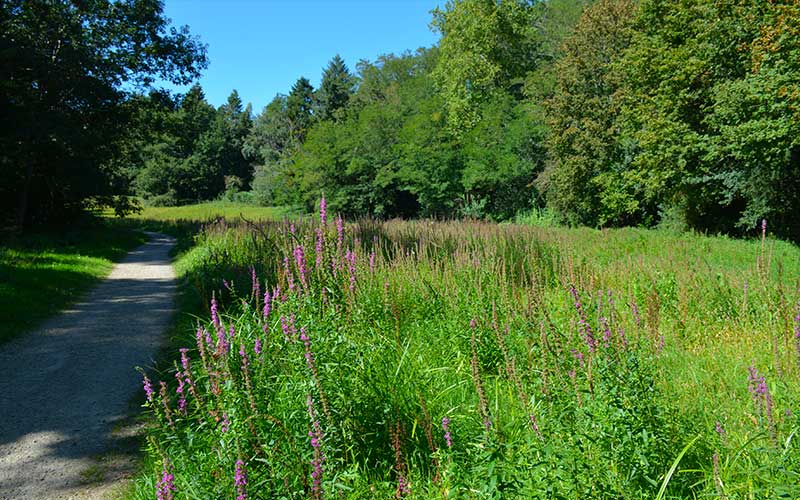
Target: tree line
[601, 113]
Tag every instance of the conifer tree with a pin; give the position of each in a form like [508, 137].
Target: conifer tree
[300, 108]
[336, 88]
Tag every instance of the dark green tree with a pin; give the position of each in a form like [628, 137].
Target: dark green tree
[583, 181]
[300, 109]
[64, 67]
[335, 89]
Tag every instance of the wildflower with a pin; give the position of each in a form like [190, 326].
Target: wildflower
[267, 304]
[717, 476]
[225, 426]
[165, 487]
[257, 346]
[606, 332]
[446, 429]
[339, 233]
[181, 394]
[215, 313]
[148, 389]
[184, 358]
[372, 261]
[319, 246]
[240, 481]
[287, 325]
[323, 212]
[300, 258]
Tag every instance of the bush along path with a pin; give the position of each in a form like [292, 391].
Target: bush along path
[65, 388]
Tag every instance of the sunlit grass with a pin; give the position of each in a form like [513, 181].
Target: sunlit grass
[212, 210]
[40, 274]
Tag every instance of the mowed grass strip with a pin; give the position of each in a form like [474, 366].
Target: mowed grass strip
[42, 273]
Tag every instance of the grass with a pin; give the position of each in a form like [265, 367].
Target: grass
[42, 273]
[570, 363]
[204, 212]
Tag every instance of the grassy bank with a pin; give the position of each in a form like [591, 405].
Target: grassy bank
[42, 273]
[430, 360]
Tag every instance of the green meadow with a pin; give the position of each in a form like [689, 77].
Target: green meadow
[474, 360]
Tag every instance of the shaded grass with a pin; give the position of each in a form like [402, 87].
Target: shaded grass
[42, 273]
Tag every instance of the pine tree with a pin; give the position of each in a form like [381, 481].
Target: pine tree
[336, 88]
[299, 108]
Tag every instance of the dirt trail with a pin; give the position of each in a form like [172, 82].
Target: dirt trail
[65, 389]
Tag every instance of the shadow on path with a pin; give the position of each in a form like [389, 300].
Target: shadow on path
[65, 387]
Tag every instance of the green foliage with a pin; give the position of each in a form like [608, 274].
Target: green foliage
[188, 150]
[64, 68]
[387, 351]
[486, 46]
[335, 89]
[583, 182]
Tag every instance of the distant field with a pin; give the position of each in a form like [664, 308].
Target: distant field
[41, 274]
[212, 210]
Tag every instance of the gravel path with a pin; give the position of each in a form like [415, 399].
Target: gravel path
[66, 389]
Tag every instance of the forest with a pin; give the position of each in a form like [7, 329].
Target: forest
[607, 113]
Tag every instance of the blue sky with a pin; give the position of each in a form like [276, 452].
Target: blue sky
[260, 47]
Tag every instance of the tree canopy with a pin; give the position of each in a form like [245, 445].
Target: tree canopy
[65, 70]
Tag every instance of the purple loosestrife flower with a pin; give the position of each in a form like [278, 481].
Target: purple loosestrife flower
[372, 261]
[240, 481]
[184, 358]
[300, 258]
[318, 250]
[446, 428]
[292, 229]
[606, 333]
[289, 330]
[720, 430]
[165, 487]
[323, 211]
[225, 426]
[257, 347]
[215, 313]
[180, 392]
[267, 304]
[148, 389]
[339, 234]
[222, 343]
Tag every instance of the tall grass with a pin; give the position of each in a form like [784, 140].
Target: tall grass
[469, 360]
